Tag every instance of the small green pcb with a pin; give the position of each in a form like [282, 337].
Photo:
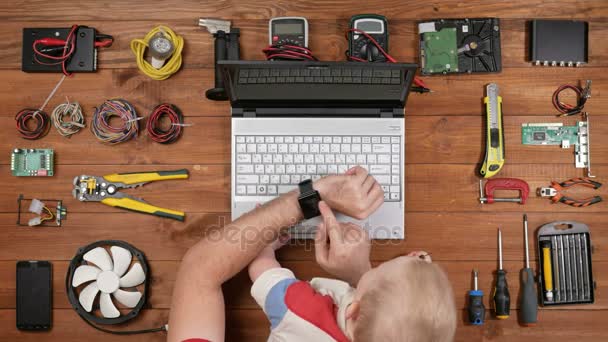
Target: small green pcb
[32, 162]
[549, 134]
[439, 51]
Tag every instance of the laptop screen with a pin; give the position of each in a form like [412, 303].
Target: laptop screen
[287, 84]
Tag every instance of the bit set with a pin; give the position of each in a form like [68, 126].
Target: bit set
[566, 275]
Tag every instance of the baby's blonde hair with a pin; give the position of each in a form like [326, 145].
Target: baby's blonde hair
[413, 303]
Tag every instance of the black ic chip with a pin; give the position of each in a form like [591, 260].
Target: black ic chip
[539, 136]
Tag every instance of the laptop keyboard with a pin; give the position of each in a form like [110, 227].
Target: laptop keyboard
[273, 165]
[337, 75]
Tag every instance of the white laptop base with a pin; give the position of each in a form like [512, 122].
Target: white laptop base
[271, 156]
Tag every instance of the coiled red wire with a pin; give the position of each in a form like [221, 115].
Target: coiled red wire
[153, 125]
[288, 53]
[41, 127]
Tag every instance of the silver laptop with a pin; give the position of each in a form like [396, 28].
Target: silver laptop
[297, 120]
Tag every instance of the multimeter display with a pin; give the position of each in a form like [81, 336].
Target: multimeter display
[288, 31]
[369, 26]
[283, 28]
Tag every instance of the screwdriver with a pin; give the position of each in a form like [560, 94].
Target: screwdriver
[529, 300]
[502, 299]
[548, 273]
[476, 309]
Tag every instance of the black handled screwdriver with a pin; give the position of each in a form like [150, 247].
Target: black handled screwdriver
[477, 311]
[502, 299]
[528, 305]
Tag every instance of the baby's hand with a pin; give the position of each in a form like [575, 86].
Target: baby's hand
[341, 249]
[269, 250]
[266, 259]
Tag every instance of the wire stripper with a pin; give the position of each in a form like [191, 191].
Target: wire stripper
[554, 191]
[105, 190]
[495, 148]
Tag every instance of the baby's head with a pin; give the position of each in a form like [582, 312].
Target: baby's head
[408, 298]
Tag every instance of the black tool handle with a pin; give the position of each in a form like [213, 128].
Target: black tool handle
[581, 181]
[529, 299]
[220, 55]
[502, 298]
[580, 202]
[234, 50]
[476, 309]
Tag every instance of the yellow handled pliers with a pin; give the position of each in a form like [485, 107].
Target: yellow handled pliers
[105, 190]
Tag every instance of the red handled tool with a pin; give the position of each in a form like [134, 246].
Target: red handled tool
[554, 191]
[493, 184]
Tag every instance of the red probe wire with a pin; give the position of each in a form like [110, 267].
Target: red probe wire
[417, 81]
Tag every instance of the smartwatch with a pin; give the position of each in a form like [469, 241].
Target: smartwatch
[309, 199]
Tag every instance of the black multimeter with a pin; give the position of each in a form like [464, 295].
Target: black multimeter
[288, 31]
[360, 47]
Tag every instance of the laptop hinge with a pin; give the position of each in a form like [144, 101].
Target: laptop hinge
[243, 112]
[391, 112]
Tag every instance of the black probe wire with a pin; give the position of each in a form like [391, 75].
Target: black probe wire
[115, 332]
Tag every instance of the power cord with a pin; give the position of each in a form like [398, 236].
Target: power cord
[582, 94]
[168, 44]
[74, 112]
[100, 124]
[171, 134]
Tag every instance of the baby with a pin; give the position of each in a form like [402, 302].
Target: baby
[405, 299]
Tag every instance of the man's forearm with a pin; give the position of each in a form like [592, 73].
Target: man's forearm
[227, 250]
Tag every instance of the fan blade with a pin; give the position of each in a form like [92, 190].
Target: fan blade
[100, 257]
[85, 273]
[87, 296]
[122, 259]
[134, 277]
[108, 310]
[127, 298]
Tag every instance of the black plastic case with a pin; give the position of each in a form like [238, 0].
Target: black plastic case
[83, 60]
[572, 273]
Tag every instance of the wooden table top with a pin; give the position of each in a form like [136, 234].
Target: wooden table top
[444, 137]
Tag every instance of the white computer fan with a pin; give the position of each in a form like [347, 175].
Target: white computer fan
[111, 277]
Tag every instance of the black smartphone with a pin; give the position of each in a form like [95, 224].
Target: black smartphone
[34, 279]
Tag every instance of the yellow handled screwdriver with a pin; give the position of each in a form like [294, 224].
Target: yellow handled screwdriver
[495, 148]
[547, 270]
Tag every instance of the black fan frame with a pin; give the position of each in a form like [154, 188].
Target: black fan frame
[78, 260]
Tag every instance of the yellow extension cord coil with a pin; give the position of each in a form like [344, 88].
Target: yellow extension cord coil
[171, 66]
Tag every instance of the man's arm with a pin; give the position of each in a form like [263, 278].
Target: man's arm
[197, 309]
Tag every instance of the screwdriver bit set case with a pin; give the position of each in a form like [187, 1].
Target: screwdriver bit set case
[570, 259]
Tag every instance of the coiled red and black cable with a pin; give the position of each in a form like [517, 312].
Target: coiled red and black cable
[288, 53]
[171, 134]
[41, 127]
[566, 109]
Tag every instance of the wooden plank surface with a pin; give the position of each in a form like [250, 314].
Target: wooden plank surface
[252, 325]
[443, 151]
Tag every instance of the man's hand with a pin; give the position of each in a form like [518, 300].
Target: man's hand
[341, 249]
[356, 193]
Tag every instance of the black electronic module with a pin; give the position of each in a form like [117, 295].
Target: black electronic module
[559, 42]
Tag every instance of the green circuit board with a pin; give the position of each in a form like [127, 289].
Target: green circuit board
[549, 134]
[32, 162]
[439, 51]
